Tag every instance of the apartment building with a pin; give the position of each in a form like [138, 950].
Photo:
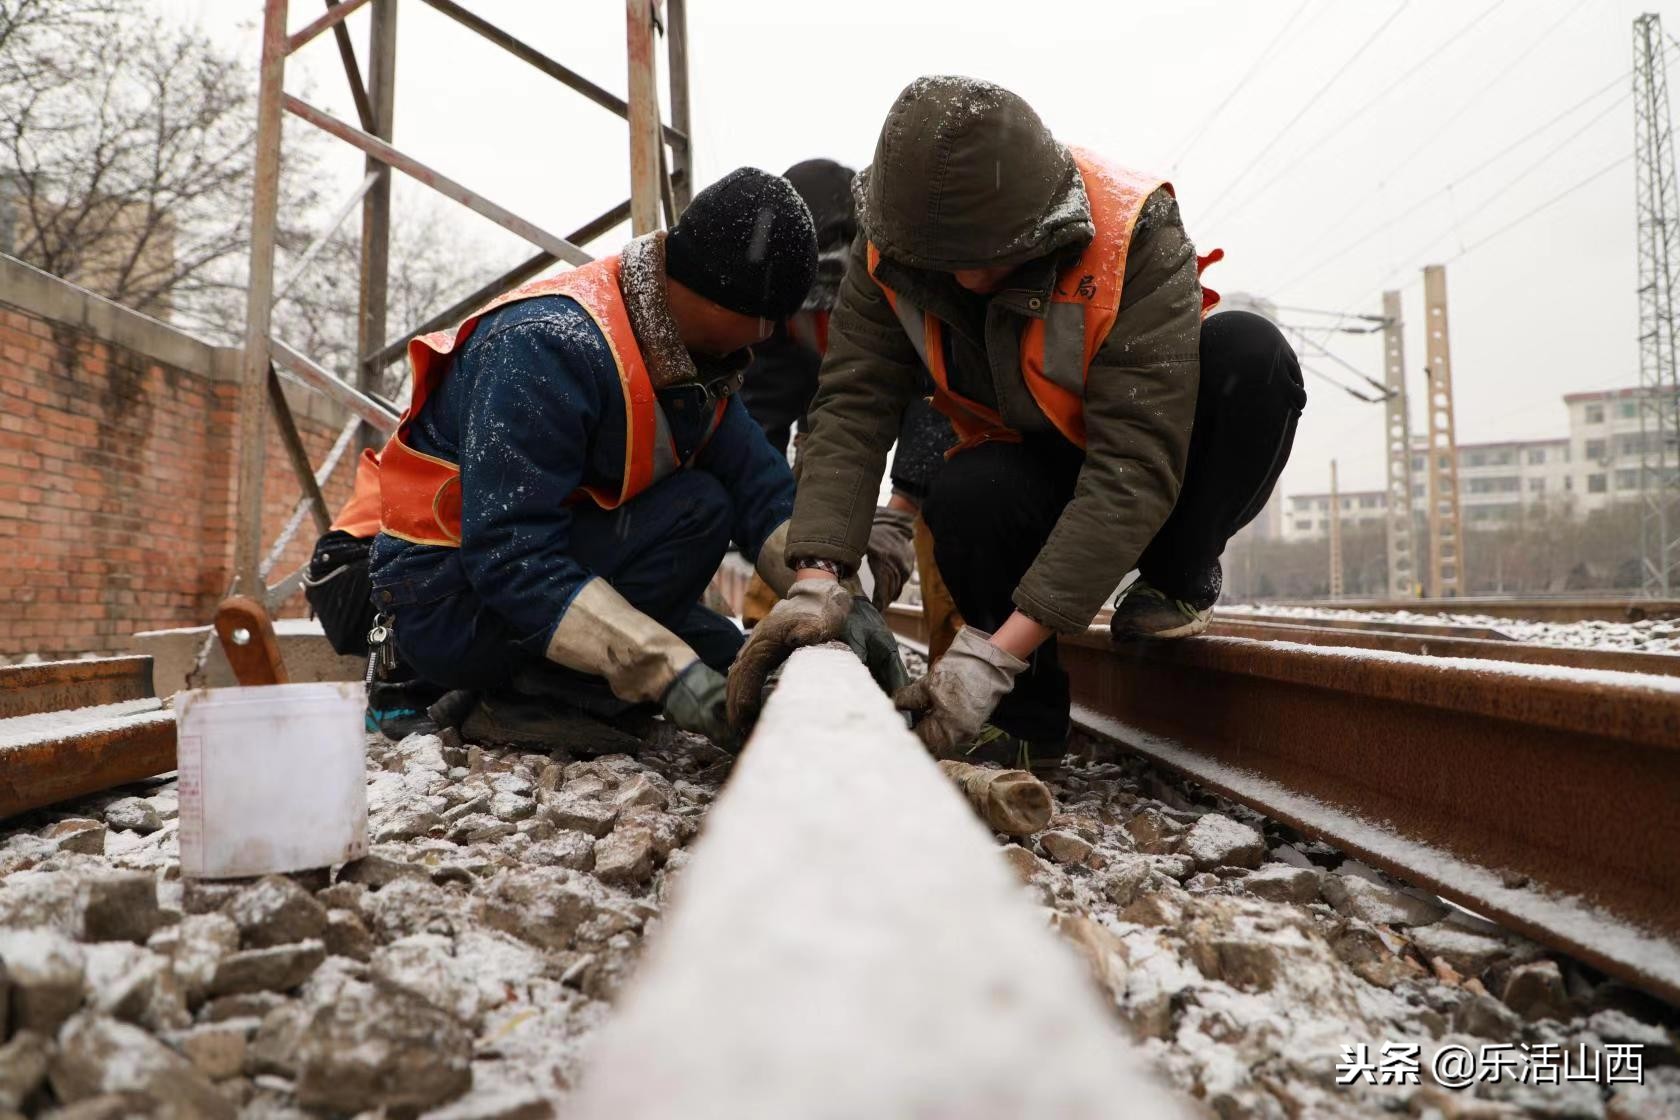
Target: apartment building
[1605, 437]
[1307, 516]
[1500, 483]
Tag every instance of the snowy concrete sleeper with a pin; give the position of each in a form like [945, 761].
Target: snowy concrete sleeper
[846, 942]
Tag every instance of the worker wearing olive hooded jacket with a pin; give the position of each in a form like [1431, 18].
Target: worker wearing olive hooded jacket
[1147, 448]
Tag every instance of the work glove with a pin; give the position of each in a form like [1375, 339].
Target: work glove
[958, 694]
[695, 702]
[867, 632]
[891, 553]
[604, 634]
[815, 611]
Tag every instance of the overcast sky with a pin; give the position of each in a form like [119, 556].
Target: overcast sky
[1331, 147]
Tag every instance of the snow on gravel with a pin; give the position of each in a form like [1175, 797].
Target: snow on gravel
[1643, 637]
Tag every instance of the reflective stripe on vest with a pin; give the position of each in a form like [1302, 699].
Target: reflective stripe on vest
[421, 494]
[1056, 350]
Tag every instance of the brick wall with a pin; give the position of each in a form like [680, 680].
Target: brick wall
[117, 472]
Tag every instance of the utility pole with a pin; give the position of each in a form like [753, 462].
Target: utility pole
[645, 140]
[1397, 428]
[372, 322]
[1446, 541]
[1657, 204]
[1335, 535]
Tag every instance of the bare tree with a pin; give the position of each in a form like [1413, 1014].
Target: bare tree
[127, 146]
[126, 150]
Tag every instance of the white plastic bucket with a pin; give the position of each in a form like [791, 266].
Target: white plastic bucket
[272, 778]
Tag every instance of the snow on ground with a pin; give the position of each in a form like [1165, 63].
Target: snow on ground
[460, 969]
[1642, 637]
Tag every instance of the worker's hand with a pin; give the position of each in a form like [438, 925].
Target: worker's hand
[814, 612]
[891, 553]
[873, 641]
[695, 702]
[960, 691]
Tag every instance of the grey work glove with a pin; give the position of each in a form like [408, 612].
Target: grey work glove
[891, 553]
[695, 702]
[960, 691]
[814, 612]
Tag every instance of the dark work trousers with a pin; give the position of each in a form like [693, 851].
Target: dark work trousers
[992, 508]
[659, 550]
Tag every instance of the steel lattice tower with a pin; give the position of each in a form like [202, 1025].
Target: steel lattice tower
[1658, 209]
[1402, 556]
[1446, 537]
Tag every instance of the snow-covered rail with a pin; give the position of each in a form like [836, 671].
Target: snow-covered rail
[846, 942]
[70, 728]
[1538, 795]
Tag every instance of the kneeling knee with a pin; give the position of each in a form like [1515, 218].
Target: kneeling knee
[1246, 358]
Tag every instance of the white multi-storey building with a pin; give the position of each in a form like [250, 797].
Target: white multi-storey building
[1606, 440]
[1501, 483]
[1307, 516]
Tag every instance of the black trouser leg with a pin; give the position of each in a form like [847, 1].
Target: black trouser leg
[1250, 398]
[658, 550]
[990, 510]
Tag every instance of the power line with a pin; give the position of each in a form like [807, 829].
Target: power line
[1461, 179]
[1311, 101]
[1344, 363]
[1548, 154]
[1433, 55]
[1548, 204]
[1507, 227]
[1242, 82]
[1463, 107]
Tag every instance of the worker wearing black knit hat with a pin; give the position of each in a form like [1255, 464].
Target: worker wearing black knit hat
[746, 243]
[573, 467]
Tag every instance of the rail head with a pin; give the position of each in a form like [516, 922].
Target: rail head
[51, 686]
[1637, 707]
[846, 941]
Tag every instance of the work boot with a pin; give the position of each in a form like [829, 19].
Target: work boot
[539, 725]
[397, 709]
[996, 747]
[1143, 612]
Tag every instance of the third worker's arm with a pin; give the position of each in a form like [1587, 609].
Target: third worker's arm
[1140, 404]
[868, 377]
[756, 476]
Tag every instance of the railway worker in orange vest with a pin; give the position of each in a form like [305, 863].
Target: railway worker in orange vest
[1054, 299]
[574, 465]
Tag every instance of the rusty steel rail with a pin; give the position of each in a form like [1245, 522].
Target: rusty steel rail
[51, 686]
[1447, 642]
[1540, 796]
[71, 728]
[1607, 609]
[74, 761]
[1386, 626]
[1421, 639]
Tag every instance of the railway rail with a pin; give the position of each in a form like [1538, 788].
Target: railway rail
[1538, 794]
[1536, 609]
[1531, 784]
[71, 728]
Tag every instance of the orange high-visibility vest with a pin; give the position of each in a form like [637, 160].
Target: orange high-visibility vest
[1056, 350]
[361, 514]
[421, 494]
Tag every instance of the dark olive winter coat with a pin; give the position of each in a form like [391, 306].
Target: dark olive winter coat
[966, 176]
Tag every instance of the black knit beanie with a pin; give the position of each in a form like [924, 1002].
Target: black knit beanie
[745, 242]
